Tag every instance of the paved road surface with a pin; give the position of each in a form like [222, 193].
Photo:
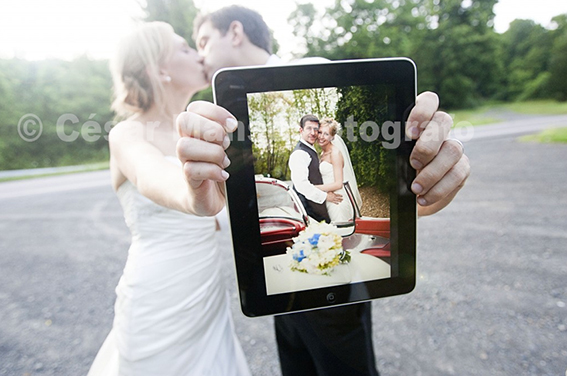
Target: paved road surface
[490, 300]
[514, 127]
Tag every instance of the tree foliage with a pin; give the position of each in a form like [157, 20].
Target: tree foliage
[453, 42]
[372, 163]
[178, 13]
[76, 94]
[274, 125]
[558, 60]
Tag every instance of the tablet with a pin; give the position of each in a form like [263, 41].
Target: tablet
[296, 247]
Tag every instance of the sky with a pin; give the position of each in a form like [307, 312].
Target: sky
[65, 29]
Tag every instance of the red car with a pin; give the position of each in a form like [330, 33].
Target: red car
[283, 217]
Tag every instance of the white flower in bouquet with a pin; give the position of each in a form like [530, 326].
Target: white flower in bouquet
[317, 250]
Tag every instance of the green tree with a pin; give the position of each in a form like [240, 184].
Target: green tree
[372, 163]
[526, 47]
[452, 41]
[458, 56]
[359, 28]
[50, 90]
[178, 13]
[319, 102]
[558, 60]
[269, 134]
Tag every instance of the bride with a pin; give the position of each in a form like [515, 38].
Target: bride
[336, 168]
[171, 313]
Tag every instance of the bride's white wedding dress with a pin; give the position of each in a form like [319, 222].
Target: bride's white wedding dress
[172, 314]
[343, 211]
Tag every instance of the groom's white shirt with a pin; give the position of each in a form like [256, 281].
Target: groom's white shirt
[274, 60]
[299, 162]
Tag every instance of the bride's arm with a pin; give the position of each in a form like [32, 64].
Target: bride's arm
[338, 163]
[145, 166]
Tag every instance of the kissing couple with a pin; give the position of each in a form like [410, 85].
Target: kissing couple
[172, 313]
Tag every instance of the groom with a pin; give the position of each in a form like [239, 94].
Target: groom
[304, 166]
[334, 341]
[331, 342]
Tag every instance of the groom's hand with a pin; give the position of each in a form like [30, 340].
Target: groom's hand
[442, 167]
[203, 131]
[334, 198]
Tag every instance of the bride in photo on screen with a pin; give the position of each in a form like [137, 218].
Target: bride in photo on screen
[336, 168]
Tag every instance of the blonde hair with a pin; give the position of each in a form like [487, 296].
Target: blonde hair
[332, 124]
[135, 68]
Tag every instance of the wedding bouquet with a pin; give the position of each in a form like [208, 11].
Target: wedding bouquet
[317, 250]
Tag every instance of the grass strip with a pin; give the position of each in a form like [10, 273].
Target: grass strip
[548, 136]
[85, 168]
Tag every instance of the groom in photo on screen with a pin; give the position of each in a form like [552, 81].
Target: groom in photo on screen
[305, 173]
[338, 340]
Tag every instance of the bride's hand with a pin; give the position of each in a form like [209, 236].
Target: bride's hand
[334, 198]
[203, 131]
[442, 167]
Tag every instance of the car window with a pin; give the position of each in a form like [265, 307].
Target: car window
[275, 201]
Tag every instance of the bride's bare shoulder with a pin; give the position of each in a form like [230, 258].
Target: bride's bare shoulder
[123, 136]
[126, 130]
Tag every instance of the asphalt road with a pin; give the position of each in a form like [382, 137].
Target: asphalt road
[491, 297]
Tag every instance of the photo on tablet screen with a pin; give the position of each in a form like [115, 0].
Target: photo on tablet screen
[296, 247]
[309, 142]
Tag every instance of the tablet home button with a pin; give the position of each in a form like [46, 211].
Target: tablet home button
[331, 297]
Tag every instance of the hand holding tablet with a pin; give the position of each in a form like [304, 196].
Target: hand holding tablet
[201, 149]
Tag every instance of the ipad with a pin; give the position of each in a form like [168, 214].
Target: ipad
[319, 201]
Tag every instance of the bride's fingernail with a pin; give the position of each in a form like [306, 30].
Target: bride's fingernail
[226, 162]
[226, 142]
[231, 124]
[224, 174]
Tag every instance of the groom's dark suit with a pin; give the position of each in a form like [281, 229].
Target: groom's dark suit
[329, 342]
[314, 210]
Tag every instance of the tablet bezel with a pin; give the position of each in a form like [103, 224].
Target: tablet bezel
[230, 89]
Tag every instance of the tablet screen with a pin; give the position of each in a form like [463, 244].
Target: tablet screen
[319, 202]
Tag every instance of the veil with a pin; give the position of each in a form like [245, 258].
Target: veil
[348, 171]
